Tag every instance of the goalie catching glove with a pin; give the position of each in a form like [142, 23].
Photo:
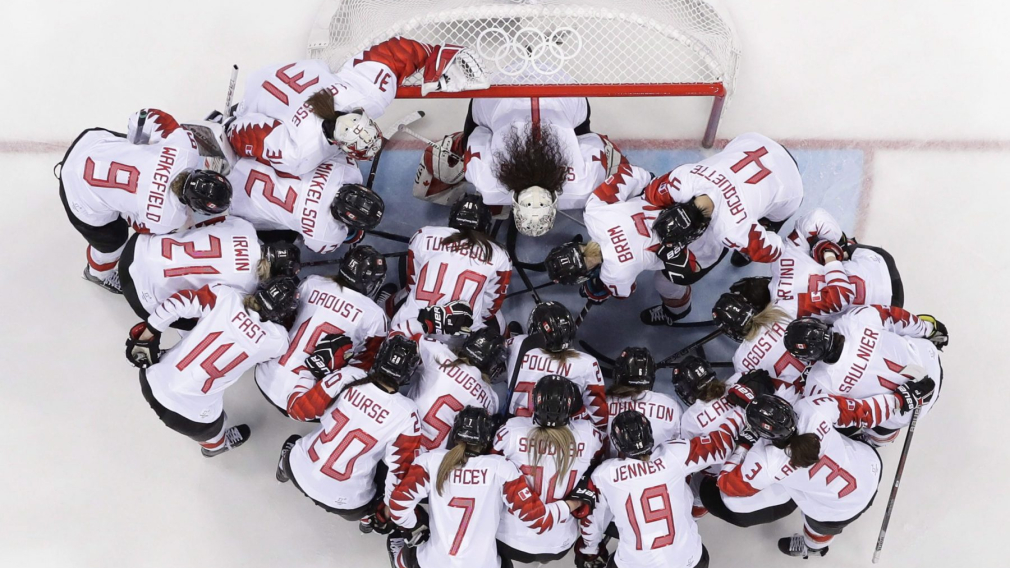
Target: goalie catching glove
[143, 353]
[454, 318]
[452, 69]
[329, 355]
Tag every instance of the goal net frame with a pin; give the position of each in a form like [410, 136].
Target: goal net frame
[554, 48]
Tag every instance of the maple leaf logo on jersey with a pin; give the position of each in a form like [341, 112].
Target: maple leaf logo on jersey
[405, 449]
[166, 124]
[608, 191]
[893, 313]
[469, 155]
[757, 249]
[598, 409]
[829, 300]
[527, 506]
[249, 138]
[704, 448]
[503, 285]
[413, 480]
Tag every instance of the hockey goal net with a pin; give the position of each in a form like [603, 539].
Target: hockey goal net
[531, 48]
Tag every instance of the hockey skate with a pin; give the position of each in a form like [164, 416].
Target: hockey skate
[111, 283]
[282, 474]
[661, 315]
[797, 546]
[233, 438]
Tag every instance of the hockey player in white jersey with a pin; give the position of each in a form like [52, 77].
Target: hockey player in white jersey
[327, 206]
[296, 116]
[554, 452]
[709, 407]
[221, 250]
[634, 377]
[149, 179]
[832, 479]
[468, 492]
[645, 495]
[451, 380]
[458, 262]
[823, 273]
[536, 155]
[366, 440]
[185, 386]
[547, 350]
[868, 351]
[338, 322]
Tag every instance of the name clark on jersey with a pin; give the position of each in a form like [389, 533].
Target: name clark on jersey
[713, 413]
[546, 365]
[469, 383]
[315, 194]
[436, 244]
[649, 409]
[729, 193]
[867, 343]
[638, 469]
[620, 242]
[335, 304]
[763, 346]
[251, 329]
[159, 184]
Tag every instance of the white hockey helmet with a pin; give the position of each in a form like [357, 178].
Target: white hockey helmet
[534, 209]
[357, 135]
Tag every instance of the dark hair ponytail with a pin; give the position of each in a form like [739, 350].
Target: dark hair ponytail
[322, 105]
[804, 450]
[474, 240]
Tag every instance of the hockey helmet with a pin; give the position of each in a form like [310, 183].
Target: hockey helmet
[284, 258]
[363, 270]
[554, 399]
[277, 298]
[635, 367]
[474, 427]
[690, 376]
[206, 191]
[555, 323]
[566, 264]
[485, 349]
[771, 417]
[809, 339]
[680, 224]
[734, 314]
[357, 207]
[470, 212]
[396, 360]
[631, 432]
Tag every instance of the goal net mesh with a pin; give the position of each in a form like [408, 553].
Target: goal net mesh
[548, 42]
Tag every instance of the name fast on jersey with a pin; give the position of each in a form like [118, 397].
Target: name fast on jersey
[251, 329]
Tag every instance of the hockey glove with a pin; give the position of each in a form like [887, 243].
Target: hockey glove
[355, 237]
[914, 394]
[451, 69]
[584, 495]
[594, 290]
[758, 381]
[382, 523]
[143, 353]
[454, 318]
[679, 265]
[826, 251]
[421, 532]
[746, 438]
[939, 336]
[583, 560]
[328, 355]
[739, 396]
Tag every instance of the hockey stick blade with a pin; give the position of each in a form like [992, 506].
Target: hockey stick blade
[527, 291]
[668, 362]
[339, 260]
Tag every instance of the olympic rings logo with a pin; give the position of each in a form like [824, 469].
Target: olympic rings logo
[529, 49]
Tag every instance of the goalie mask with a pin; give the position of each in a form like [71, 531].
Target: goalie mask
[357, 207]
[566, 264]
[680, 225]
[534, 209]
[355, 134]
[206, 191]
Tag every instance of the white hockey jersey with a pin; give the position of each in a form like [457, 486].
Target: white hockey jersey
[440, 273]
[752, 178]
[272, 201]
[512, 441]
[443, 387]
[650, 503]
[222, 250]
[838, 486]
[464, 517]
[620, 219]
[768, 351]
[880, 341]
[663, 412]
[496, 118]
[228, 340]
[803, 287]
[106, 177]
[324, 307]
[335, 464]
[582, 369]
[275, 123]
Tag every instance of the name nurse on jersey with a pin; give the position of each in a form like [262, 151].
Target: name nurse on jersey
[867, 343]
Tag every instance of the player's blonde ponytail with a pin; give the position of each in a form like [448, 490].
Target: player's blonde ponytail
[454, 458]
[593, 254]
[543, 441]
[766, 318]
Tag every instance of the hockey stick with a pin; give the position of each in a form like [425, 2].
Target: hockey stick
[668, 362]
[389, 236]
[338, 260]
[231, 92]
[403, 128]
[529, 343]
[537, 287]
[601, 358]
[510, 248]
[138, 135]
[584, 313]
[894, 487]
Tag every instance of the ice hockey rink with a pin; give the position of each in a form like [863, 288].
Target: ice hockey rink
[897, 112]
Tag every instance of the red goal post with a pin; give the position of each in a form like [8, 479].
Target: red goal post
[554, 48]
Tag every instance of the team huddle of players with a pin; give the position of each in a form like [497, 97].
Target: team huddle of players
[399, 378]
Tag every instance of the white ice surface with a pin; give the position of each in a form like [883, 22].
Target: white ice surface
[90, 478]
